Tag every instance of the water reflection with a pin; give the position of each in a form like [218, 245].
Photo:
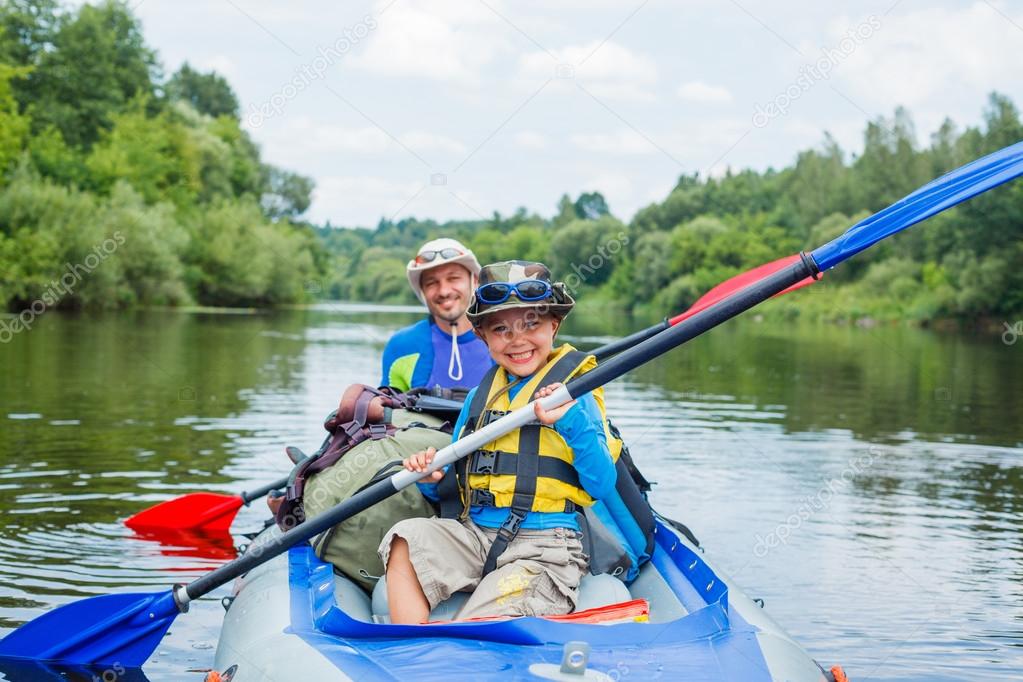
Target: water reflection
[884, 464]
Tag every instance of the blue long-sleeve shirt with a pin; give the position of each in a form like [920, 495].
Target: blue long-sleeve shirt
[582, 427]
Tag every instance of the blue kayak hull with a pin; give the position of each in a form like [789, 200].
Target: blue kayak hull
[295, 619]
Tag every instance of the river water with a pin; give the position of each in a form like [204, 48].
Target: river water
[866, 483]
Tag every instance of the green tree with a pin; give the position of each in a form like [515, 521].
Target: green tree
[13, 125]
[156, 155]
[54, 158]
[287, 194]
[97, 65]
[209, 93]
[566, 211]
[150, 244]
[247, 175]
[816, 187]
[26, 30]
[591, 206]
[588, 249]
[1001, 118]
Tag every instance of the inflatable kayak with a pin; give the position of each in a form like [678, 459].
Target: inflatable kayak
[294, 618]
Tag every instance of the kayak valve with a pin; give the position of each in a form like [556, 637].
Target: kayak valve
[574, 658]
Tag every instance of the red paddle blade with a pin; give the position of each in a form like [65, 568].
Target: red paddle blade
[739, 282]
[208, 511]
[200, 544]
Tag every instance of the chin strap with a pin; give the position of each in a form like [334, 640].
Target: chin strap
[455, 363]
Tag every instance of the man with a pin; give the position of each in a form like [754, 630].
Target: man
[442, 350]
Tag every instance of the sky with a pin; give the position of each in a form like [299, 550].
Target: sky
[454, 109]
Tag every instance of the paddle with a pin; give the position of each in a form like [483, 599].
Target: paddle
[718, 293]
[126, 628]
[215, 512]
[208, 512]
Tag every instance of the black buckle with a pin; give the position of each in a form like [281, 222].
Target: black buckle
[482, 498]
[377, 431]
[510, 528]
[493, 416]
[483, 462]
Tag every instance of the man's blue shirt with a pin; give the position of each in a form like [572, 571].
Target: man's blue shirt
[412, 353]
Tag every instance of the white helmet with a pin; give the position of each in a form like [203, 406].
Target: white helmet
[439, 252]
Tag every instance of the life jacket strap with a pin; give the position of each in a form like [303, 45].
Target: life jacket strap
[527, 470]
[485, 498]
[498, 463]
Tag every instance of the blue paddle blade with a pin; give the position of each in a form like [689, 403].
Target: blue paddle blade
[950, 189]
[113, 629]
[23, 670]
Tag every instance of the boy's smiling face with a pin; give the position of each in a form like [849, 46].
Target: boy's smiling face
[519, 339]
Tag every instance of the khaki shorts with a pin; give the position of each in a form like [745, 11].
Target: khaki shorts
[537, 575]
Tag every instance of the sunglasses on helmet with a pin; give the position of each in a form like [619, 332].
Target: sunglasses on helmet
[526, 290]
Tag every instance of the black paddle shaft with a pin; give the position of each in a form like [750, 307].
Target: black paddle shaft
[624, 362]
[260, 553]
[249, 496]
[282, 482]
[629, 341]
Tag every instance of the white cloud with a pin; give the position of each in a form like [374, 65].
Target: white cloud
[353, 200]
[303, 133]
[528, 139]
[367, 140]
[441, 40]
[446, 74]
[623, 142]
[220, 63]
[607, 70]
[616, 187]
[934, 58]
[422, 141]
[698, 91]
[694, 145]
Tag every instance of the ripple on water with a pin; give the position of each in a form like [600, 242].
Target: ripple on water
[901, 556]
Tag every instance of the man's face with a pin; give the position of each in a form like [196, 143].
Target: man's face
[447, 289]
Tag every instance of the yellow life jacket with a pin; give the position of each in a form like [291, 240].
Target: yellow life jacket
[535, 452]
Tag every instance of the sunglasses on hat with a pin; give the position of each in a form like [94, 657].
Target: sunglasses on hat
[430, 256]
[526, 290]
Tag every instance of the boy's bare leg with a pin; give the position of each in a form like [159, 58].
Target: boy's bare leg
[405, 598]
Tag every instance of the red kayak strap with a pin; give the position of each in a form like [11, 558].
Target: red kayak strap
[634, 611]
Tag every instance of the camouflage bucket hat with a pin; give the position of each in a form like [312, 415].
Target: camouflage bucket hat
[556, 302]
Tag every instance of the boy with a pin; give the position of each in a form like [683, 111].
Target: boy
[512, 537]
